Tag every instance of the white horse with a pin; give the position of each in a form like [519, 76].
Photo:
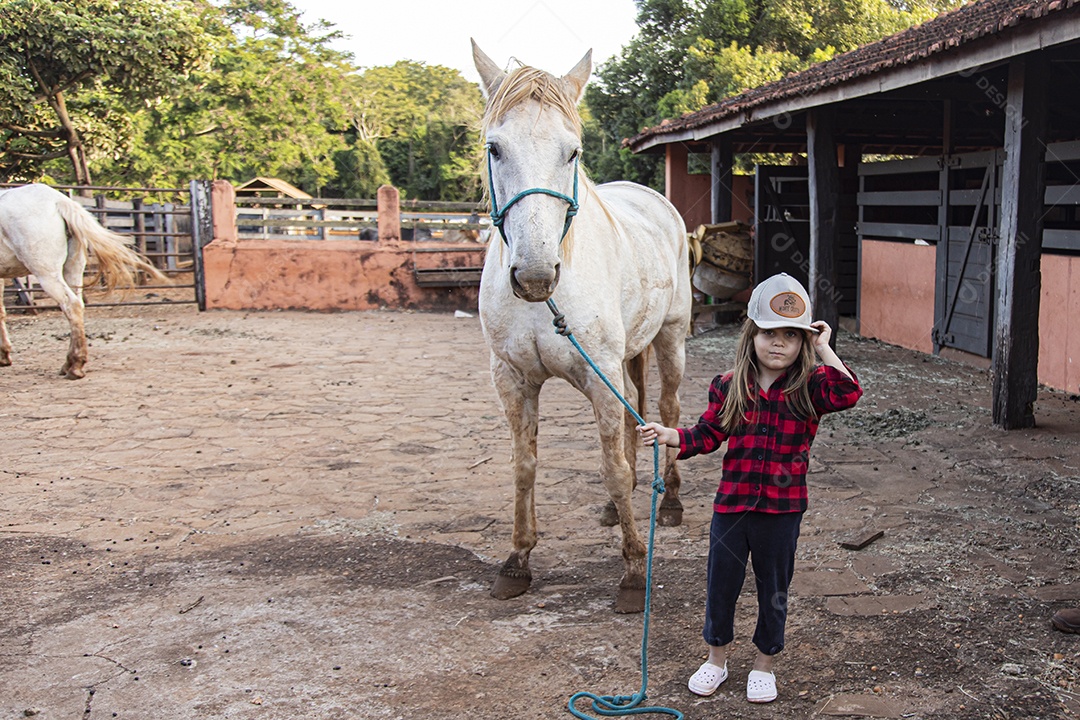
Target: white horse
[614, 260]
[46, 234]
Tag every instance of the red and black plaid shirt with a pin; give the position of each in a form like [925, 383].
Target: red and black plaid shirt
[765, 463]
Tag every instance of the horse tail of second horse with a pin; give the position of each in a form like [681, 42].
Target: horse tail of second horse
[116, 262]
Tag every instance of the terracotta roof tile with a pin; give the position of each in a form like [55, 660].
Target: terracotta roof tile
[943, 33]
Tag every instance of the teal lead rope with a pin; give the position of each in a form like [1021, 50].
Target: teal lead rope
[616, 705]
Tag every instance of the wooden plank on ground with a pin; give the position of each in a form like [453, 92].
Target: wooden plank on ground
[858, 542]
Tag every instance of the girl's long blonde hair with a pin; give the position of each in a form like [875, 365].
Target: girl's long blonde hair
[742, 390]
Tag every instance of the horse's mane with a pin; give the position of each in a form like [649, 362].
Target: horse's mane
[528, 83]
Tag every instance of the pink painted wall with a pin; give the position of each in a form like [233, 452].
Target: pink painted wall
[1059, 326]
[897, 306]
[692, 194]
[327, 274]
[742, 198]
[896, 297]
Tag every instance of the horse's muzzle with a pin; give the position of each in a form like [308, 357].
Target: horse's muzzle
[534, 286]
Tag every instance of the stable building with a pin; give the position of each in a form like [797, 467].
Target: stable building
[939, 204]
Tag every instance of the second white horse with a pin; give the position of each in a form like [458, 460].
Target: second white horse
[46, 234]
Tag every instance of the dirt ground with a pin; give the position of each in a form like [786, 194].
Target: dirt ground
[293, 515]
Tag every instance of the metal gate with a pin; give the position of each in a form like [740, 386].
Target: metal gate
[952, 202]
[168, 226]
[964, 303]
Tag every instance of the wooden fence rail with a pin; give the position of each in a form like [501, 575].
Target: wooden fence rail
[280, 218]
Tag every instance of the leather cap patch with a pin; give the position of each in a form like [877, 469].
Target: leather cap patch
[787, 304]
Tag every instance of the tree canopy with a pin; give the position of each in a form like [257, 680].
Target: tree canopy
[424, 120]
[66, 65]
[691, 53]
[270, 102]
[155, 92]
[158, 92]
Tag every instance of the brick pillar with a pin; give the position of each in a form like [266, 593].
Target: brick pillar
[389, 205]
[223, 202]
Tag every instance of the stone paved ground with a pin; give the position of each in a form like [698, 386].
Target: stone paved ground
[294, 515]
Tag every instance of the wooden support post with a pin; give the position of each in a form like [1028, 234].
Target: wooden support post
[1019, 282]
[721, 179]
[139, 217]
[941, 257]
[389, 200]
[24, 294]
[938, 335]
[824, 211]
[848, 156]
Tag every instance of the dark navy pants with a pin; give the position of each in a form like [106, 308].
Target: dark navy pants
[769, 540]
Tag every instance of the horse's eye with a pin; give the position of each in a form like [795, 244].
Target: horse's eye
[575, 155]
[494, 150]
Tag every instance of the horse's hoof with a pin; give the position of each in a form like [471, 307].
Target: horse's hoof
[669, 514]
[74, 374]
[4, 361]
[630, 600]
[669, 517]
[509, 586]
[609, 516]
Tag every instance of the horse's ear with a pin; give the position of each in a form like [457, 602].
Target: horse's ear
[491, 75]
[576, 78]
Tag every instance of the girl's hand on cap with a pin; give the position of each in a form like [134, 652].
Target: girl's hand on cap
[824, 333]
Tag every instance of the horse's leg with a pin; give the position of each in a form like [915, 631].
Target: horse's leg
[5, 342]
[74, 267]
[520, 401]
[634, 392]
[670, 346]
[72, 305]
[636, 370]
[619, 482]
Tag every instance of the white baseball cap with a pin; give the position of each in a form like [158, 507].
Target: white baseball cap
[780, 301]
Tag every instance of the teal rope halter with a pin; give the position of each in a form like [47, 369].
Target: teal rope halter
[498, 216]
[615, 705]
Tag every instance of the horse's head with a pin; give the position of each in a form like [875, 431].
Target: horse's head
[533, 136]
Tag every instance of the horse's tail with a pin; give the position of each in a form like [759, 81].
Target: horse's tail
[116, 262]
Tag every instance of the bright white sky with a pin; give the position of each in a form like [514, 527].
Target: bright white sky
[548, 34]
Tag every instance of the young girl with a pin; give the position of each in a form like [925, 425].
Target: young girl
[767, 408]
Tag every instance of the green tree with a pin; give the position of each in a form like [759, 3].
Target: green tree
[623, 99]
[691, 53]
[155, 92]
[360, 170]
[424, 119]
[67, 66]
[271, 102]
